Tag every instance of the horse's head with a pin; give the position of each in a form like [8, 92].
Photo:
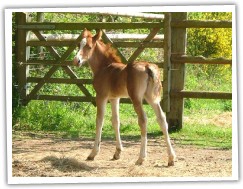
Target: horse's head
[86, 46]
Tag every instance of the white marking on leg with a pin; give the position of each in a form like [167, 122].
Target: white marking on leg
[116, 125]
[142, 121]
[116, 121]
[161, 119]
[143, 149]
[99, 125]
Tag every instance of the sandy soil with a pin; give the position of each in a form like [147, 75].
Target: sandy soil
[49, 156]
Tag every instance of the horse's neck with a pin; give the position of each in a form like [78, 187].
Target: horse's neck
[99, 60]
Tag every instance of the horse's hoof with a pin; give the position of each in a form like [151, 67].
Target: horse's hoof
[90, 158]
[116, 157]
[171, 163]
[139, 161]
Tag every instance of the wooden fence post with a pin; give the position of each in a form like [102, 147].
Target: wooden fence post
[178, 46]
[167, 64]
[21, 57]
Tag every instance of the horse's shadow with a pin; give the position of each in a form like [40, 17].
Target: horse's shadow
[65, 164]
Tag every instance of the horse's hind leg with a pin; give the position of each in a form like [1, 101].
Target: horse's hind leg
[142, 122]
[116, 125]
[101, 104]
[161, 119]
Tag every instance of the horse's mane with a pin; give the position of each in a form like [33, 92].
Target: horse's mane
[111, 53]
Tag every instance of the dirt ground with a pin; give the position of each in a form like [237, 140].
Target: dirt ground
[50, 156]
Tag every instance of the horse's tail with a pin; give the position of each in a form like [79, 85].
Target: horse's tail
[154, 88]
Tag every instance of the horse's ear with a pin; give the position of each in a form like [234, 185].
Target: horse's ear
[98, 35]
[84, 32]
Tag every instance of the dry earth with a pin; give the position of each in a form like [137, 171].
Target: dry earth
[49, 156]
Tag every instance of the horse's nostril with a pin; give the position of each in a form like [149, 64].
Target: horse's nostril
[78, 61]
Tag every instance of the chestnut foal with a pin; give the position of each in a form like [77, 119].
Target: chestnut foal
[113, 80]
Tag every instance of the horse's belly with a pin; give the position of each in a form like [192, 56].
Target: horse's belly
[119, 92]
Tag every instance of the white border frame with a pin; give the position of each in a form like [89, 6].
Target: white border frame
[8, 60]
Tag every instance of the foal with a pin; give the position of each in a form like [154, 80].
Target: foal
[113, 80]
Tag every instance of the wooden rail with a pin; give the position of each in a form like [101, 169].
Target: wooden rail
[125, 14]
[181, 59]
[201, 94]
[81, 26]
[73, 98]
[136, 25]
[201, 24]
[60, 80]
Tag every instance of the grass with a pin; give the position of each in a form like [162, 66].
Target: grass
[74, 120]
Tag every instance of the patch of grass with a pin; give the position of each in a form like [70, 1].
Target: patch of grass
[204, 136]
[75, 120]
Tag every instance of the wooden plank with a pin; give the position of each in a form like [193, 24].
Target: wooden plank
[117, 44]
[202, 94]
[129, 36]
[167, 64]
[50, 43]
[113, 36]
[21, 57]
[138, 51]
[64, 98]
[60, 80]
[178, 46]
[74, 98]
[201, 24]
[151, 16]
[49, 62]
[181, 59]
[90, 25]
[137, 44]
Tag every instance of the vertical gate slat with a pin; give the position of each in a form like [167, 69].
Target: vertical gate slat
[167, 63]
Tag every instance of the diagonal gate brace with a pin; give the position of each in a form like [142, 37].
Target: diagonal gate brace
[54, 68]
[138, 51]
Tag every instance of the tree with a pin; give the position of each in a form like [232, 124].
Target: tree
[210, 43]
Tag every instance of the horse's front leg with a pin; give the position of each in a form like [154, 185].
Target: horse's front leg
[116, 125]
[101, 105]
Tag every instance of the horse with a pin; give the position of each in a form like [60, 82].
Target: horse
[113, 80]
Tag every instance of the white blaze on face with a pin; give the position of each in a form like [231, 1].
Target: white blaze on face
[79, 58]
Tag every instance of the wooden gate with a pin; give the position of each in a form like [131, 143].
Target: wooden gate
[173, 42]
